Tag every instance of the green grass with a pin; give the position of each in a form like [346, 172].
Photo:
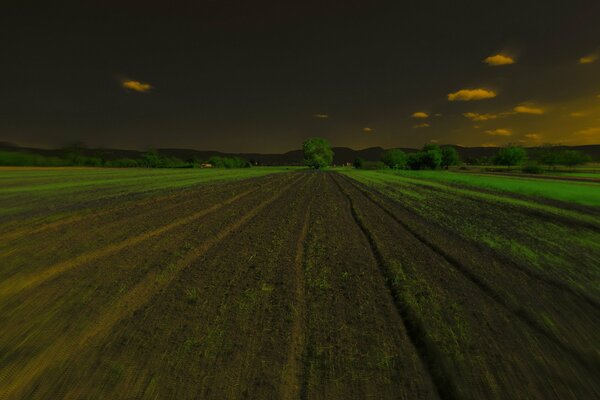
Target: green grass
[585, 193]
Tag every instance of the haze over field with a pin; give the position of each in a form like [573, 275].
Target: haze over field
[262, 76]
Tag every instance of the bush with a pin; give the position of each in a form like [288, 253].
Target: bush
[532, 168]
[228, 162]
[358, 163]
[373, 165]
[395, 159]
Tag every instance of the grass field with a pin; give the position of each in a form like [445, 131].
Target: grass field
[269, 283]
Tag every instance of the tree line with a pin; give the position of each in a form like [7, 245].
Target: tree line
[149, 159]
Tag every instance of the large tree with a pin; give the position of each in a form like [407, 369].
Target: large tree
[317, 153]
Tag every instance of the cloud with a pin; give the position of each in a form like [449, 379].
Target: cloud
[577, 114]
[499, 132]
[420, 114]
[368, 130]
[480, 117]
[424, 125]
[322, 116]
[489, 145]
[590, 58]
[499, 59]
[524, 109]
[137, 86]
[589, 132]
[533, 136]
[471, 94]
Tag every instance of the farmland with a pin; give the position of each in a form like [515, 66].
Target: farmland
[294, 284]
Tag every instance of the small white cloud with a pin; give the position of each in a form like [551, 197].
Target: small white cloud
[499, 132]
[420, 114]
[534, 136]
[525, 109]
[471, 94]
[368, 130]
[499, 59]
[480, 117]
[590, 58]
[424, 125]
[137, 86]
[589, 132]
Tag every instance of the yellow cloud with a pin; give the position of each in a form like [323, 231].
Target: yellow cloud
[368, 130]
[479, 117]
[499, 132]
[420, 114]
[137, 86]
[499, 59]
[577, 114]
[590, 58]
[321, 116]
[589, 132]
[533, 136]
[489, 145]
[425, 125]
[471, 94]
[523, 109]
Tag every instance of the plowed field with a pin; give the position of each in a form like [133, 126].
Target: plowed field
[297, 285]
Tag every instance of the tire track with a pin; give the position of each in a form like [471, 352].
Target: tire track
[16, 284]
[589, 362]
[139, 295]
[560, 285]
[416, 332]
[293, 380]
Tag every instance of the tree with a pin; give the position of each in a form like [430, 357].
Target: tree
[550, 156]
[510, 155]
[395, 159]
[317, 153]
[449, 157]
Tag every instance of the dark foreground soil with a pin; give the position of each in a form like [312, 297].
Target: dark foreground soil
[305, 285]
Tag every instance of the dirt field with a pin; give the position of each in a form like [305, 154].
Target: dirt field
[300, 285]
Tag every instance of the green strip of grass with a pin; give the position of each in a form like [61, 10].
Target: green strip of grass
[586, 193]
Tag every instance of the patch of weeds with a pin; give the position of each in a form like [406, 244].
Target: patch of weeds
[192, 295]
[266, 287]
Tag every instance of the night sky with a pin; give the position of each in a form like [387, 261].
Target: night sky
[262, 76]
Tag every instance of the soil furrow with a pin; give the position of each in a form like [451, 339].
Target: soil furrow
[416, 332]
[19, 382]
[293, 380]
[589, 360]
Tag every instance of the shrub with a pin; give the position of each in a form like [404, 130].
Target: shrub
[358, 163]
[532, 168]
[373, 165]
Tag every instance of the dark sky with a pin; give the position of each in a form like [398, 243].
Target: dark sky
[264, 75]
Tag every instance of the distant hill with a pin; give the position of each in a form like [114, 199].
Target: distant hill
[342, 154]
